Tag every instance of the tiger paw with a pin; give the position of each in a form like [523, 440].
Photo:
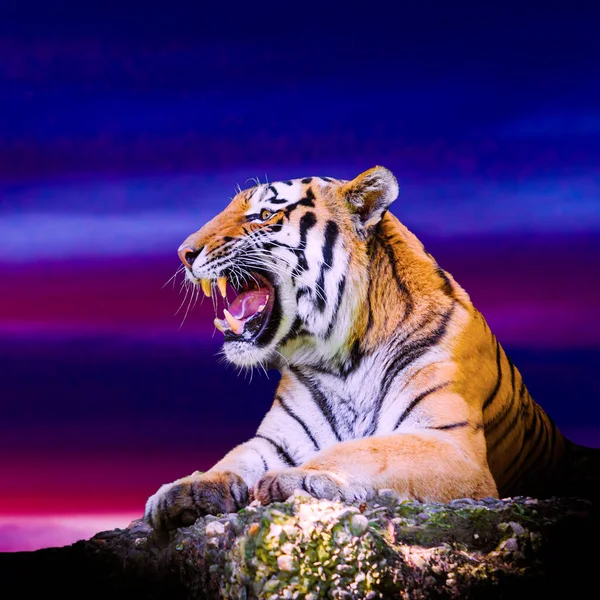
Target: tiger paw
[180, 503]
[277, 486]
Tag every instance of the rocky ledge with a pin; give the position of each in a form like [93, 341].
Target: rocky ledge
[308, 548]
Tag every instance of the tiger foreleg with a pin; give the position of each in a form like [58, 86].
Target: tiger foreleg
[222, 489]
[181, 502]
[423, 466]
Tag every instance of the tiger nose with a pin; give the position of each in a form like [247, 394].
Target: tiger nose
[188, 255]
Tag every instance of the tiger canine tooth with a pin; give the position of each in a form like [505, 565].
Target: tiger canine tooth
[220, 325]
[205, 283]
[222, 285]
[261, 308]
[236, 325]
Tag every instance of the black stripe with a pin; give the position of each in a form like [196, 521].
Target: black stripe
[483, 321]
[527, 401]
[266, 336]
[227, 241]
[348, 405]
[416, 401]
[448, 288]
[277, 200]
[307, 180]
[214, 258]
[320, 400]
[446, 284]
[301, 291]
[498, 418]
[512, 372]
[512, 463]
[283, 455]
[308, 200]
[331, 234]
[553, 435]
[264, 462]
[347, 362]
[451, 426]
[372, 246]
[409, 352]
[327, 179]
[532, 458]
[546, 426]
[275, 193]
[507, 431]
[307, 221]
[294, 331]
[352, 362]
[272, 228]
[493, 393]
[370, 320]
[341, 288]
[522, 391]
[401, 286]
[288, 182]
[302, 424]
[406, 354]
[251, 217]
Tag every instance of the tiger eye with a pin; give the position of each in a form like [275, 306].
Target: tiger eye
[265, 214]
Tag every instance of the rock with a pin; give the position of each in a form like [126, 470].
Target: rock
[517, 529]
[387, 493]
[358, 524]
[510, 544]
[215, 528]
[286, 563]
[307, 548]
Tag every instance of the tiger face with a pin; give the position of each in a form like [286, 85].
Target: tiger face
[290, 251]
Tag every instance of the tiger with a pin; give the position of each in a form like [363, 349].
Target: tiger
[390, 377]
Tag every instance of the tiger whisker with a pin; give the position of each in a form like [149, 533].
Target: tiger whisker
[187, 291]
[195, 293]
[172, 278]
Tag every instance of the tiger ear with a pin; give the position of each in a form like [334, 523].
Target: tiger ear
[369, 196]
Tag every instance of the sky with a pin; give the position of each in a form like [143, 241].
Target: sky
[124, 128]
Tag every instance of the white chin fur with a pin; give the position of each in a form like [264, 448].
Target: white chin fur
[244, 354]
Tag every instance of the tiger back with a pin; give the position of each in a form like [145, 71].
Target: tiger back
[390, 378]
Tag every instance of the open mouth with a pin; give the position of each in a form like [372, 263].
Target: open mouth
[249, 315]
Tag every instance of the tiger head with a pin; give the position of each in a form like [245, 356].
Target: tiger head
[296, 255]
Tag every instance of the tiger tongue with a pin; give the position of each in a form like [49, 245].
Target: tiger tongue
[245, 306]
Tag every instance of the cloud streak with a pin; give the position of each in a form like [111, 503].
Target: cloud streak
[151, 216]
[32, 532]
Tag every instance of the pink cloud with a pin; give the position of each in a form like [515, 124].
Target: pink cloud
[33, 532]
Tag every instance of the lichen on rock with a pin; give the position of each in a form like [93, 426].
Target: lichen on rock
[309, 548]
